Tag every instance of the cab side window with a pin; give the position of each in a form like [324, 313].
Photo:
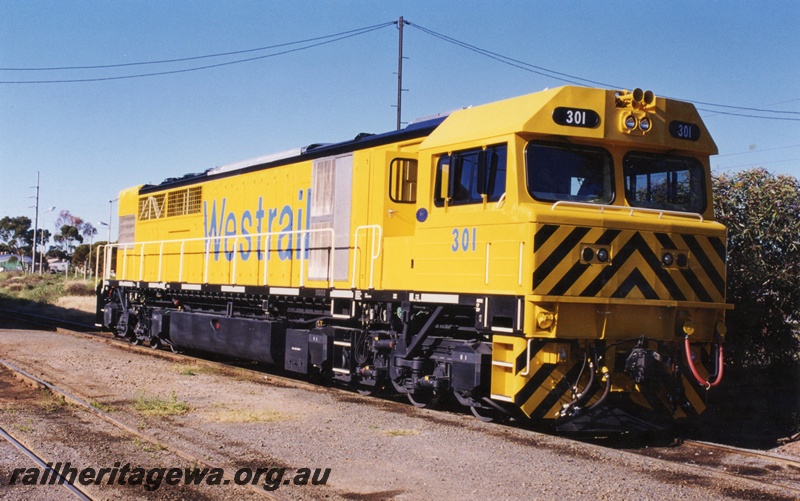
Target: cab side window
[471, 175]
[403, 180]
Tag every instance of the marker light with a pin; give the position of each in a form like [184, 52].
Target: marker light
[667, 259]
[602, 255]
[587, 254]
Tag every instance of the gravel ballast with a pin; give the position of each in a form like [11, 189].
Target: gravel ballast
[375, 449]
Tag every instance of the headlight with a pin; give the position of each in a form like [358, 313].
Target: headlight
[644, 124]
[630, 122]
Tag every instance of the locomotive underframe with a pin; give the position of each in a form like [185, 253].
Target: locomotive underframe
[376, 340]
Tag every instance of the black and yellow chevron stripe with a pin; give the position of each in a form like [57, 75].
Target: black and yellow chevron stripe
[541, 388]
[634, 270]
[548, 387]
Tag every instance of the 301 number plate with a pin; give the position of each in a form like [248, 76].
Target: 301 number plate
[576, 117]
[684, 130]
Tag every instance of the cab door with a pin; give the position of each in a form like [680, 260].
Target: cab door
[399, 219]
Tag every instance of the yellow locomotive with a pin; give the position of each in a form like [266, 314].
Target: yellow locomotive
[551, 256]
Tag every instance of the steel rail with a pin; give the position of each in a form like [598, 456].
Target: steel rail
[61, 481]
[60, 393]
[743, 452]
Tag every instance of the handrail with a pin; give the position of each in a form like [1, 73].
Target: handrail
[160, 259]
[377, 231]
[265, 243]
[647, 210]
[265, 238]
[97, 264]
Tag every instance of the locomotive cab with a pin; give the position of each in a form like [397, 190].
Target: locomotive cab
[604, 237]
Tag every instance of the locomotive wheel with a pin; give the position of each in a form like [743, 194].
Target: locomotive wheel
[155, 343]
[135, 340]
[399, 388]
[424, 398]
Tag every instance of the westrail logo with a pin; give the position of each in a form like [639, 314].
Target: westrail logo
[230, 232]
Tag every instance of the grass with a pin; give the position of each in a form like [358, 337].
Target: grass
[400, 433]
[250, 416]
[26, 427]
[157, 406]
[148, 446]
[103, 407]
[44, 288]
[52, 403]
[50, 295]
[194, 369]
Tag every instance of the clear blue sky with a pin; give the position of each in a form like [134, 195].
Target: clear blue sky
[91, 139]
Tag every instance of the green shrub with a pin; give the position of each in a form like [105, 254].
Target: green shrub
[762, 213]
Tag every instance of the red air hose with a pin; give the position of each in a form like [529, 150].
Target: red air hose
[720, 365]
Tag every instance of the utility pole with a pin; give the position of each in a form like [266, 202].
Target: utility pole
[41, 239]
[35, 228]
[400, 22]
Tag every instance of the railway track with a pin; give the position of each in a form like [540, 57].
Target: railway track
[729, 462]
[132, 431]
[39, 462]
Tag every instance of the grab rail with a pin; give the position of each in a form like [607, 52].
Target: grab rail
[632, 210]
[264, 241]
[377, 232]
[264, 246]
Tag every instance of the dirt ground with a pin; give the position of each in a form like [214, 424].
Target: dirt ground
[375, 449]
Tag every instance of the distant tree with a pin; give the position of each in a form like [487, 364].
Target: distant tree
[56, 253]
[87, 230]
[43, 237]
[17, 236]
[72, 229]
[67, 237]
[80, 256]
[65, 217]
[762, 213]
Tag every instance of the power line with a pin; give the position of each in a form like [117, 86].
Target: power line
[751, 164]
[565, 77]
[761, 110]
[747, 115]
[357, 31]
[759, 150]
[338, 37]
[326, 39]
